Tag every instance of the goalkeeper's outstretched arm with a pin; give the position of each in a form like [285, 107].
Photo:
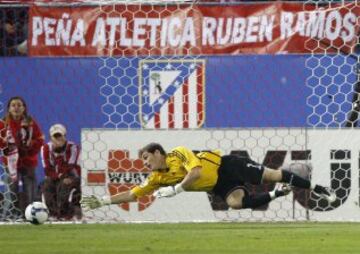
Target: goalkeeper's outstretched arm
[122, 197]
[93, 202]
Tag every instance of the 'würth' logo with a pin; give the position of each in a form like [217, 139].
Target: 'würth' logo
[172, 93]
[123, 174]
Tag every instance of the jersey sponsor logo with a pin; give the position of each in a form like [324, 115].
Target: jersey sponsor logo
[172, 93]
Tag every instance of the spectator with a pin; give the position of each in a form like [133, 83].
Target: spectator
[13, 31]
[20, 143]
[61, 188]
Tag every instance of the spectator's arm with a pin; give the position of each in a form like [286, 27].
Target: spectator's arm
[50, 170]
[3, 138]
[74, 160]
[5, 147]
[37, 140]
[70, 167]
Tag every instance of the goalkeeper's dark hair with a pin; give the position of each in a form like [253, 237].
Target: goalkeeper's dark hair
[151, 148]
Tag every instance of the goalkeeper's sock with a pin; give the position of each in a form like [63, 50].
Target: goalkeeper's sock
[280, 191]
[256, 200]
[295, 180]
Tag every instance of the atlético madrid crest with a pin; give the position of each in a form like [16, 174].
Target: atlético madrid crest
[172, 93]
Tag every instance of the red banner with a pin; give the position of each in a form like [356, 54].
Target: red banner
[268, 28]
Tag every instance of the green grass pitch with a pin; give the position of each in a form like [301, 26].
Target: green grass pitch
[207, 238]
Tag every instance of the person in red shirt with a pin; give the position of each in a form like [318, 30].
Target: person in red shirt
[60, 159]
[20, 143]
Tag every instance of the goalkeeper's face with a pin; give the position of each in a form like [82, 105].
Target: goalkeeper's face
[154, 161]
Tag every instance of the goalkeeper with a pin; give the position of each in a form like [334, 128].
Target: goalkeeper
[225, 176]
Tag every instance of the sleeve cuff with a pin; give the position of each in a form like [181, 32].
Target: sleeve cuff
[178, 188]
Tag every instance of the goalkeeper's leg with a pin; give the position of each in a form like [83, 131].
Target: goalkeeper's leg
[287, 175]
[239, 198]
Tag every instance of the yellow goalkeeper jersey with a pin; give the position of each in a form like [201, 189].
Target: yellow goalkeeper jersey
[179, 162]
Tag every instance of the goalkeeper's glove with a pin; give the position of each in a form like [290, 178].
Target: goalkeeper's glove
[92, 202]
[169, 191]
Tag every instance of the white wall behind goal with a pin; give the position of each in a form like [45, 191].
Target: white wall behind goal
[334, 155]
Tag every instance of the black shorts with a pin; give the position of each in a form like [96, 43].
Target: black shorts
[234, 172]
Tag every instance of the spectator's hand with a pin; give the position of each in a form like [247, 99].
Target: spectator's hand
[22, 48]
[10, 148]
[13, 178]
[67, 181]
[9, 28]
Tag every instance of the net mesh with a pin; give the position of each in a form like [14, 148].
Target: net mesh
[333, 81]
[128, 81]
[333, 75]
[273, 148]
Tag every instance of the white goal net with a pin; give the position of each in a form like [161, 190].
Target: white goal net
[275, 81]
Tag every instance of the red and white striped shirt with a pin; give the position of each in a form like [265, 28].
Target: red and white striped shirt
[26, 134]
[63, 163]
